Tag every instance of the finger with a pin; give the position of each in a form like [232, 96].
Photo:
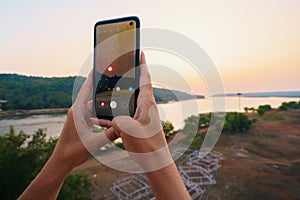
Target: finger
[97, 140]
[142, 58]
[128, 126]
[122, 123]
[85, 91]
[101, 122]
[90, 105]
[111, 134]
[145, 77]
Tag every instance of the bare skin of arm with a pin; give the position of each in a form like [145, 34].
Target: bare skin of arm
[71, 152]
[164, 178]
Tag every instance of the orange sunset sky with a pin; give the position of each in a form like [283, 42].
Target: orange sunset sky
[254, 44]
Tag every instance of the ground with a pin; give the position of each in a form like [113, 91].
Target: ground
[263, 163]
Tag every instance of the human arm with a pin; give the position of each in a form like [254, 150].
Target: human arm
[145, 142]
[75, 145]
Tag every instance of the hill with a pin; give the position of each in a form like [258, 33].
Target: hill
[30, 92]
[265, 94]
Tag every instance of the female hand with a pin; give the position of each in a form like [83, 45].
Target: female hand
[142, 135]
[77, 140]
[76, 143]
[144, 139]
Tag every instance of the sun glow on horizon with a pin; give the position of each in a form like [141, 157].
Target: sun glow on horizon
[254, 44]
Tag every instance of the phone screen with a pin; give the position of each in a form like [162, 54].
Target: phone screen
[116, 76]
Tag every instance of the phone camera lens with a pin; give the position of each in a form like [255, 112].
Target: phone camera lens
[130, 23]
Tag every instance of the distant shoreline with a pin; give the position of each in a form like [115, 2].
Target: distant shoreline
[234, 95]
[5, 113]
[19, 112]
[284, 94]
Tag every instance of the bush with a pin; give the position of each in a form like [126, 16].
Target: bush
[196, 143]
[289, 105]
[21, 159]
[191, 124]
[120, 145]
[196, 122]
[76, 187]
[272, 117]
[204, 120]
[263, 108]
[168, 128]
[236, 122]
[249, 109]
[191, 127]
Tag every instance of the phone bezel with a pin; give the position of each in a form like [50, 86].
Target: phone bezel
[137, 59]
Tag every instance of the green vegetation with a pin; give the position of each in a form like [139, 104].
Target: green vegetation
[164, 95]
[249, 109]
[192, 125]
[21, 159]
[29, 92]
[119, 144]
[263, 108]
[76, 187]
[168, 128]
[289, 105]
[196, 143]
[236, 122]
[272, 117]
[196, 122]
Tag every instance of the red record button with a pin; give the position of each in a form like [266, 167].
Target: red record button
[102, 104]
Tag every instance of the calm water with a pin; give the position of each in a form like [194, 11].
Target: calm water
[175, 112]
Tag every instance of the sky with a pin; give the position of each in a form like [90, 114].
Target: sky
[254, 44]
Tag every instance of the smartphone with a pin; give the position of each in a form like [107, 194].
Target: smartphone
[116, 72]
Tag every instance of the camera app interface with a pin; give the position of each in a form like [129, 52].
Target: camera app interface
[115, 69]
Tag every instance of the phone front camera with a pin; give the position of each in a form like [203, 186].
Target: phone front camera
[130, 23]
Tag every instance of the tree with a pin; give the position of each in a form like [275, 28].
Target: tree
[196, 143]
[76, 187]
[236, 122]
[35, 92]
[263, 108]
[204, 120]
[289, 105]
[38, 92]
[196, 122]
[191, 127]
[168, 128]
[21, 159]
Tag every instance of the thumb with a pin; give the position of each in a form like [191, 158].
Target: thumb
[111, 134]
[123, 124]
[96, 140]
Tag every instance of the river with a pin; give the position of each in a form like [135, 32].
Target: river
[175, 112]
